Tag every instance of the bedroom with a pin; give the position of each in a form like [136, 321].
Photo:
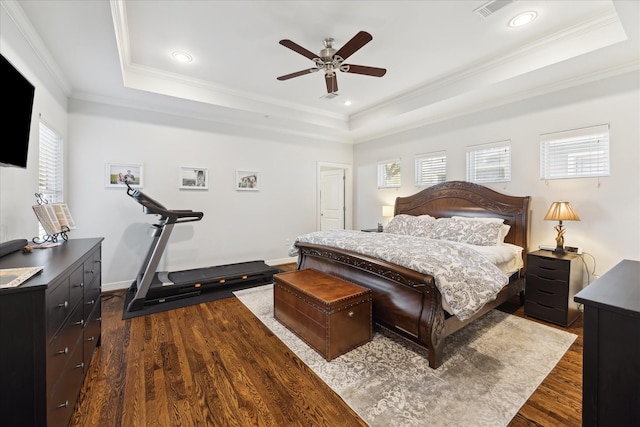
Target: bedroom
[164, 134]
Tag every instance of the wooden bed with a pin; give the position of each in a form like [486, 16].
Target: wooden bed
[407, 302]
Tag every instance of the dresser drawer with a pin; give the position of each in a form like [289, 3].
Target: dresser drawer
[76, 286]
[60, 347]
[63, 395]
[58, 307]
[92, 331]
[92, 268]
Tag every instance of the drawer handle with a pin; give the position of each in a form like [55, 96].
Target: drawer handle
[91, 338]
[80, 322]
[64, 304]
[91, 302]
[80, 366]
[99, 319]
[65, 351]
[63, 405]
[351, 314]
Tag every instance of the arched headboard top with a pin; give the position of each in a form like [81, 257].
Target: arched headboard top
[461, 198]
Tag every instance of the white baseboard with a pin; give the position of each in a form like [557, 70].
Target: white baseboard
[116, 286]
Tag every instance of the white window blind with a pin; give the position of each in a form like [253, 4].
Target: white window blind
[389, 174]
[489, 162]
[578, 153]
[50, 177]
[431, 168]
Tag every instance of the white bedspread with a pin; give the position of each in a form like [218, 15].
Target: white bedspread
[466, 279]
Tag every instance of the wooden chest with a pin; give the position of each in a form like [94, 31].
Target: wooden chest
[331, 315]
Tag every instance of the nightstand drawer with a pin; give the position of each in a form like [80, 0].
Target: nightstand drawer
[550, 314]
[550, 298]
[539, 263]
[547, 286]
[546, 273]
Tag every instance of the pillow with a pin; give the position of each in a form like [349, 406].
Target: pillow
[480, 233]
[418, 226]
[504, 230]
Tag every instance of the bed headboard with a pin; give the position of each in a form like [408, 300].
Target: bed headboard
[463, 198]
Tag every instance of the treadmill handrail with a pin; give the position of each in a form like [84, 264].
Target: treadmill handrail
[151, 206]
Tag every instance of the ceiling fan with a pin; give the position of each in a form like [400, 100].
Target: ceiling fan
[331, 60]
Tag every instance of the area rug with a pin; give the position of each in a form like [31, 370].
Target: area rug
[490, 369]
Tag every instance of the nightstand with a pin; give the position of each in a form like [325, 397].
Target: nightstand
[552, 280]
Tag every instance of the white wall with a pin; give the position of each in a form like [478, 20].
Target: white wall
[609, 207]
[237, 225]
[18, 186]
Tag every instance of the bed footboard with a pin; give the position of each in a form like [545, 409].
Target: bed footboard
[405, 302]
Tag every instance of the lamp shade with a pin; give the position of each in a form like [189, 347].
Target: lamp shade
[561, 211]
[387, 211]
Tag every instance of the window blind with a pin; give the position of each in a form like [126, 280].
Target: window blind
[489, 162]
[578, 153]
[389, 174]
[431, 168]
[50, 170]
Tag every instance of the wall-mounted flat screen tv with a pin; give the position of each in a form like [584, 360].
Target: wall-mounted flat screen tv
[17, 108]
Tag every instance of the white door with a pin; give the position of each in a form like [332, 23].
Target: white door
[332, 206]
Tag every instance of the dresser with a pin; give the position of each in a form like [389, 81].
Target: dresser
[50, 327]
[552, 281]
[611, 355]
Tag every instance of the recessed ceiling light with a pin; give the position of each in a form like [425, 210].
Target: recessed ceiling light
[182, 56]
[523, 19]
[347, 102]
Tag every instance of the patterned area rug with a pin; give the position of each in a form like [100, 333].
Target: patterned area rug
[490, 369]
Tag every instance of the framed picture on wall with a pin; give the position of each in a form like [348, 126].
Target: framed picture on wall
[247, 180]
[194, 178]
[118, 174]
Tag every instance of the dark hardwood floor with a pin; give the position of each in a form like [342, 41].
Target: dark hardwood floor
[216, 364]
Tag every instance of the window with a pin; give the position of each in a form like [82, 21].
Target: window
[50, 167]
[578, 153]
[389, 174]
[431, 168]
[489, 162]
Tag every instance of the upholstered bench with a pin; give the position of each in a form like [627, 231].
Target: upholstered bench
[331, 315]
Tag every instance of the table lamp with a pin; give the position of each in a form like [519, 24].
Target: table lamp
[560, 211]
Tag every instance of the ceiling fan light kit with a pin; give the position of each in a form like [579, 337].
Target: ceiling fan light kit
[329, 60]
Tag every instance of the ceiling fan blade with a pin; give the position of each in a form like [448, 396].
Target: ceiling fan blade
[354, 44]
[299, 49]
[297, 74]
[332, 84]
[367, 71]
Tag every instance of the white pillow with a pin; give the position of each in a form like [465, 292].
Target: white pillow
[418, 226]
[480, 233]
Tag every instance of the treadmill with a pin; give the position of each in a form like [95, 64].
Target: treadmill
[155, 287]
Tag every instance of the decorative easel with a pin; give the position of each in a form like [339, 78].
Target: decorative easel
[48, 238]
